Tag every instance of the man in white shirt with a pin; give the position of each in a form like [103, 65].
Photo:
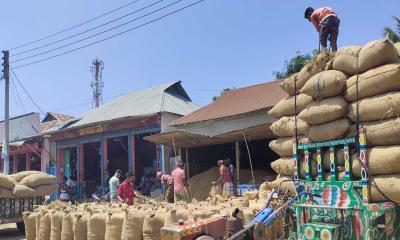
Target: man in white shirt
[114, 184]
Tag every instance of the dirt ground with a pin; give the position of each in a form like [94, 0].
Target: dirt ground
[10, 232]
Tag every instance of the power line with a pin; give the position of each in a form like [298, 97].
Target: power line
[81, 104]
[97, 34]
[88, 30]
[73, 27]
[18, 96]
[110, 37]
[26, 92]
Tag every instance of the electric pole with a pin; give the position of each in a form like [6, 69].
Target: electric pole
[6, 75]
[97, 83]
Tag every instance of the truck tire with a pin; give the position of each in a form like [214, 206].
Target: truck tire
[21, 227]
[205, 237]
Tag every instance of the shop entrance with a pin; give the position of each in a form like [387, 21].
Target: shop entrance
[91, 167]
[117, 154]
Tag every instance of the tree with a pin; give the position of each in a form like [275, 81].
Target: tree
[222, 92]
[393, 34]
[295, 64]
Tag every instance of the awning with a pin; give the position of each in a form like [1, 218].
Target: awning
[14, 144]
[182, 139]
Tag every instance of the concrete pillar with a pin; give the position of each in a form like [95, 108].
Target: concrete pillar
[45, 156]
[237, 154]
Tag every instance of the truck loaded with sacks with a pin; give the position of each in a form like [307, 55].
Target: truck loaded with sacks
[339, 139]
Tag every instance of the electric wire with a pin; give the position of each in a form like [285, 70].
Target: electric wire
[18, 95]
[26, 92]
[96, 34]
[112, 36]
[75, 26]
[88, 30]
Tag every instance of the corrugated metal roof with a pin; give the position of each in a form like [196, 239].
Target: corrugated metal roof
[238, 101]
[170, 97]
[52, 120]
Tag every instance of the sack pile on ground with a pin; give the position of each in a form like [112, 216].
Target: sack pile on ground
[105, 221]
[332, 111]
[26, 184]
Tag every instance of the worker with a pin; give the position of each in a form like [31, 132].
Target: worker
[168, 184]
[225, 179]
[179, 181]
[114, 185]
[126, 189]
[327, 23]
[231, 168]
[64, 191]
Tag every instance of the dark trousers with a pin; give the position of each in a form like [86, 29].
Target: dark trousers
[330, 30]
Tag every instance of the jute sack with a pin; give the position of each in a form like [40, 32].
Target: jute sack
[340, 175]
[80, 226]
[20, 175]
[339, 155]
[381, 133]
[377, 53]
[284, 146]
[389, 185]
[375, 108]
[288, 84]
[285, 107]
[346, 59]
[45, 226]
[152, 224]
[376, 81]
[248, 215]
[329, 131]
[97, 226]
[201, 214]
[35, 180]
[286, 127]
[285, 167]
[397, 46]
[37, 227]
[43, 190]
[383, 160]
[56, 225]
[114, 226]
[132, 228]
[323, 111]
[67, 232]
[6, 193]
[6, 181]
[285, 184]
[174, 215]
[316, 65]
[325, 84]
[22, 191]
[30, 225]
[216, 189]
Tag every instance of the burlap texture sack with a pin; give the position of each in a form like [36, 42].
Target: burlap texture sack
[288, 85]
[383, 160]
[6, 193]
[22, 191]
[201, 214]
[325, 84]
[376, 81]
[376, 108]
[114, 226]
[389, 185]
[45, 226]
[6, 181]
[30, 225]
[285, 167]
[329, 131]
[20, 175]
[67, 232]
[80, 226]
[397, 46]
[43, 190]
[152, 224]
[216, 189]
[286, 127]
[56, 225]
[284, 184]
[339, 155]
[377, 53]
[346, 59]
[323, 111]
[284, 146]
[132, 228]
[285, 107]
[37, 227]
[35, 180]
[97, 226]
[380, 133]
[340, 175]
[175, 214]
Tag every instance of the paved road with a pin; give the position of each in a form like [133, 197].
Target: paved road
[10, 232]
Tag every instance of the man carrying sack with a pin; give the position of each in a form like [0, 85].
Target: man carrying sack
[168, 183]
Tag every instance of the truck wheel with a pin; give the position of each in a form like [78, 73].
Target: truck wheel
[21, 227]
[204, 237]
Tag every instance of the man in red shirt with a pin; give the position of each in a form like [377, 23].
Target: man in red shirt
[126, 189]
[327, 23]
[225, 178]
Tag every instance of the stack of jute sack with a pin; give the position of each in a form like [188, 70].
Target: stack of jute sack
[26, 184]
[143, 220]
[371, 73]
[285, 126]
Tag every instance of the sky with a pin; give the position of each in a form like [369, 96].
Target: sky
[210, 46]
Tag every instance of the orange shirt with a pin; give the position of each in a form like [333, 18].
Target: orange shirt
[125, 191]
[319, 15]
[225, 174]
